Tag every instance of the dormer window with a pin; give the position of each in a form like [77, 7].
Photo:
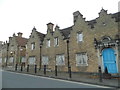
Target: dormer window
[32, 46]
[48, 43]
[79, 37]
[56, 41]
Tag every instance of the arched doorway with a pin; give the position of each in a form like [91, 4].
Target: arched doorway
[109, 60]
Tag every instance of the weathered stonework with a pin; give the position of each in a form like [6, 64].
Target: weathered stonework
[37, 38]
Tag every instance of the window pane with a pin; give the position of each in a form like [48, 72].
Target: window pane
[80, 37]
[48, 43]
[32, 46]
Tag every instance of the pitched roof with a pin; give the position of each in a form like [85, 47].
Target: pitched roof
[41, 35]
[65, 32]
[91, 23]
[116, 16]
[21, 41]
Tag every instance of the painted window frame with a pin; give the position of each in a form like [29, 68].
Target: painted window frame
[33, 46]
[56, 41]
[79, 37]
[48, 43]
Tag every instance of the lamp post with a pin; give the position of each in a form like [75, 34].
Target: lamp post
[40, 56]
[69, 67]
[11, 53]
[7, 45]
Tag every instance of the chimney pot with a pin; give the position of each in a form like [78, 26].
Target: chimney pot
[20, 34]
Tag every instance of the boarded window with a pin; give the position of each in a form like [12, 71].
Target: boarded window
[11, 59]
[45, 60]
[60, 60]
[32, 60]
[81, 59]
[23, 59]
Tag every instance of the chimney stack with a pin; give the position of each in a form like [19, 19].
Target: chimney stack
[76, 15]
[50, 27]
[20, 34]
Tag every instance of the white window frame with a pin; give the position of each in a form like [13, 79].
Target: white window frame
[81, 59]
[56, 41]
[48, 43]
[32, 46]
[5, 59]
[79, 37]
[60, 60]
[45, 60]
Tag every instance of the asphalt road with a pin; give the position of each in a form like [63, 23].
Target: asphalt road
[17, 80]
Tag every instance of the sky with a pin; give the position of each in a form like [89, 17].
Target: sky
[22, 15]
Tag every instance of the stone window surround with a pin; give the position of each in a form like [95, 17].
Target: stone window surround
[56, 41]
[86, 60]
[48, 43]
[59, 57]
[32, 45]
[45, 60]
[79, 36]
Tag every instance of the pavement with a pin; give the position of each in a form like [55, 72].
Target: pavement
[77, 77]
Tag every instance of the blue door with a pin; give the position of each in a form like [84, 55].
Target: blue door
[109, 60]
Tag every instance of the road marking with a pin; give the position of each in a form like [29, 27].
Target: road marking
[97, 86]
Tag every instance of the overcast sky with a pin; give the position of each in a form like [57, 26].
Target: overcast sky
[22, 15]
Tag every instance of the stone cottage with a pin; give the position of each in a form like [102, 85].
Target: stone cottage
[17, 50]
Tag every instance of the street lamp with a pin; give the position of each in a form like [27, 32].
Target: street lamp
[40, 56]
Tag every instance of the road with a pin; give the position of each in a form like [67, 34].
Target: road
[18, 80]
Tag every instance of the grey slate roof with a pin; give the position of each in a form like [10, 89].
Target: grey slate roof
[66, 32]
[91, 23]
[115, 15]
[41, 35]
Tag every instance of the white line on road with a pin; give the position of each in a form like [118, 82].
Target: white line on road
[59, 80]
